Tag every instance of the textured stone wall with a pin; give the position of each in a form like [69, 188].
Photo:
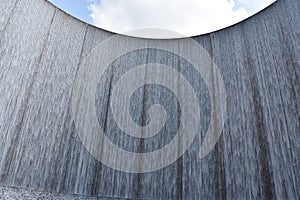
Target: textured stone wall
[256, 157]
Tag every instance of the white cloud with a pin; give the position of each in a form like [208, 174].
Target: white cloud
[252, 6]
[187, 17]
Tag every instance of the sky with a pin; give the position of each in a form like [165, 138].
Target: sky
[186, 17]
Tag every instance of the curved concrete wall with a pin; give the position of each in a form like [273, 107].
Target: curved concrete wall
[257, 155]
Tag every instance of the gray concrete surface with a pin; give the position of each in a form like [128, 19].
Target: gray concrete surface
[256, 157]
[9, 193]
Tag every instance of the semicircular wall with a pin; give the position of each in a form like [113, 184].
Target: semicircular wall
[43, 54]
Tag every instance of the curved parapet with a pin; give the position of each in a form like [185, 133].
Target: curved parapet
[85, 111]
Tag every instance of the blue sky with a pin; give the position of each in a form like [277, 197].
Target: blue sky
[186, 17]
[77, 8]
